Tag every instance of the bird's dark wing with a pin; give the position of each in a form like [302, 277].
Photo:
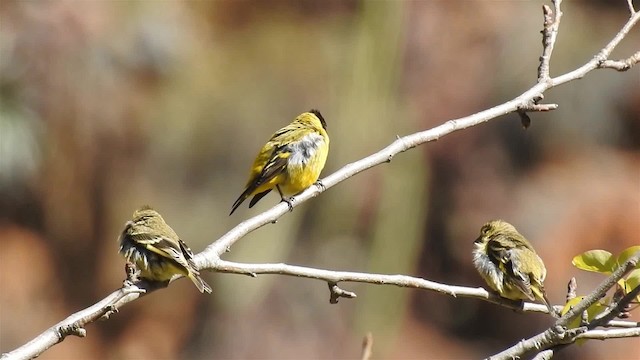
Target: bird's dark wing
[506, 259]
[188, 255]
[276, 164]
[520, 279]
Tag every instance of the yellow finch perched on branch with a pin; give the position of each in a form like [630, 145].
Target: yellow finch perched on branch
[156, 250]
[509, 264]
[290, 161]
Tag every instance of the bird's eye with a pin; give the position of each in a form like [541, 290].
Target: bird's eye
[484, 230]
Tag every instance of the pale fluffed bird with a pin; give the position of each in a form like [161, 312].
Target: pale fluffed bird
[509, 264]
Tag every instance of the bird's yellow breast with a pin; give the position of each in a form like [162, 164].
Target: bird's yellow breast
[305, 164]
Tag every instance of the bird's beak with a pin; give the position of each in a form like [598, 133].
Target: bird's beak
[478, 240]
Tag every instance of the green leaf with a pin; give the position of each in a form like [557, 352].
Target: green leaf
[600, 261]
[626, 254]
[632, 281]
[595, 309]
[570, 304]
[592, 311]
[623, 285]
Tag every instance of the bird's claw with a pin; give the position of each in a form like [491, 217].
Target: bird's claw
[289, 202]
[320, 185]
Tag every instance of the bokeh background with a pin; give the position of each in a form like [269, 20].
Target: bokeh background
[108, 105]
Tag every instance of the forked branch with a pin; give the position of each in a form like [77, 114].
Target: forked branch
[210, 258]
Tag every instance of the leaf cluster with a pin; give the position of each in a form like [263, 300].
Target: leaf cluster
[604, 262]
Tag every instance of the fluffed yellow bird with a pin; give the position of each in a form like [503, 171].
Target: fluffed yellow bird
[509, 264]
[157, 252]
[290, 161]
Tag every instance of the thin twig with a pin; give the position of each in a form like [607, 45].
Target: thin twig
[610, 334]
[367, 347]
[551, 25]
[622, 324]
[210, 257]
[621, 65]
[602, 55]
[614, 311]
[335, 277]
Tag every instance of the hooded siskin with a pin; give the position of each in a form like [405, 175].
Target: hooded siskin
[509, 264]
[156, 250]
[290, 161]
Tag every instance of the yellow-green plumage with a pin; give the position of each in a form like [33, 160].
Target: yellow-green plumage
[509, 264]
[290, 161]
[157, 252]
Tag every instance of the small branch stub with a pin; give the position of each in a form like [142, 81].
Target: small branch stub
[108, 311]
[531, 107]
[620, 65]
[337, 293]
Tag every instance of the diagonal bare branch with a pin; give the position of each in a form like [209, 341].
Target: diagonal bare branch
[210, 257]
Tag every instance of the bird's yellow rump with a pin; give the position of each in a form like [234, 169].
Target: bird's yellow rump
[290, 161]
[509, 264]
[157, 252]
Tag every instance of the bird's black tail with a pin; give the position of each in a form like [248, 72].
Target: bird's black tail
[241, 199]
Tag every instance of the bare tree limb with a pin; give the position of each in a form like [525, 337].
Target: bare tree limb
[335, 277]
[210, 257]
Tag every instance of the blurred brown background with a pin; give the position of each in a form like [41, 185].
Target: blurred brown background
[105, 106]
